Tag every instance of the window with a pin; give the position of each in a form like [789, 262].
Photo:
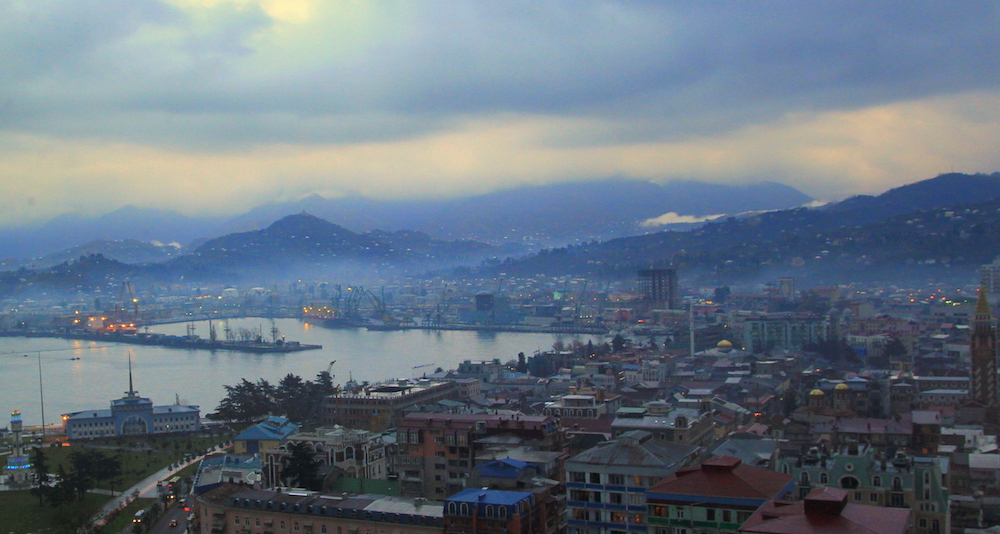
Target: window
[595, 478]
[823, 479]
[236, 520]
[659, 510]
[873, 497]
[616, 480]
[710, 514]
[804, 478]
[857, 496]
[578, 477]
[849, 482]
[877, 481]
[727, 516]
[615, 498]
[679, 512]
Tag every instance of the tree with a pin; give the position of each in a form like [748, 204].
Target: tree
[246, 402]
[721, 294]
[620, 343]
[292, 398]
[40, 463]
[301, 468]
[522, 363]
[64, 492]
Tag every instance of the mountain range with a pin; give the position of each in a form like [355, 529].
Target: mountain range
[527, 218]
[939, 229]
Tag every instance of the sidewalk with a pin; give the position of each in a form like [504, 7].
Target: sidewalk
[145, 489]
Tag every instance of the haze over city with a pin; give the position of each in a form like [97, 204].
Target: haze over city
[214, 106]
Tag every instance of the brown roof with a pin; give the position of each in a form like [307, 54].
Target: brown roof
[725, 477]
[826, 511]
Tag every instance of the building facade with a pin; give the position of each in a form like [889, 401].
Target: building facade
[235, 509]
[382, 406]
[132, 415]
[607, 484]
[436, 452]
[715, 497]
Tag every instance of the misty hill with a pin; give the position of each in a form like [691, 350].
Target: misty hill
[952, 189]
[533, 216]
[543, 214]
[861, 241]
[301, 245]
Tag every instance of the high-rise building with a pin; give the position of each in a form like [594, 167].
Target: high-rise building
[983, 351]
[989, 277]
[659, 288]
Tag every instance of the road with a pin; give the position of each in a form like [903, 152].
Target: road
[146, 489]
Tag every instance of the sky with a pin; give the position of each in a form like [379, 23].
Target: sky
[215, 106]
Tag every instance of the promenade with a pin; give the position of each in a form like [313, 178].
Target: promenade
[146, 489]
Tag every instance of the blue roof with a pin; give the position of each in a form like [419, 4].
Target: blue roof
[505, 498]
[504, 468]
[272, 428]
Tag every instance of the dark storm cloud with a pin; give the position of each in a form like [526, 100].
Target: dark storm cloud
[148, 72]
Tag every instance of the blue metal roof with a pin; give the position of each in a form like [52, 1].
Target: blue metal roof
[271, 428]
[503, 468]
[505, 498]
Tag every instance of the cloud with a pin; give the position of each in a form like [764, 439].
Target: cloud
[215, 104]
[674, 218]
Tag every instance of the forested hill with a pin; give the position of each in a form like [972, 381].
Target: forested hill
[823, 246]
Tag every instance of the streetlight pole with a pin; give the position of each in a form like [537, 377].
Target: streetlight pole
[41, 394]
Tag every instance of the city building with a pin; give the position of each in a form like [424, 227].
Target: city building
[355, 453]
[383, 406]
[679, 425]
[485, 511]
[607, 484]
[436, 452]
[265, 435]
[781, 331]
[579, 405]
[658, 288]
[132, 415]
[216, 470]
[983, 351]
[823, 511]
[715, 497]
[233, 508]
[870, 478]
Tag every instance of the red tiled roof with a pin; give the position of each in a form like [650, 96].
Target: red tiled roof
[728, 477]
[788, 517]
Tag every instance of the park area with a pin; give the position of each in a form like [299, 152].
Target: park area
[92, 470]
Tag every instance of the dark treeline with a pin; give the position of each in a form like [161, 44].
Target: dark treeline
[298, 400]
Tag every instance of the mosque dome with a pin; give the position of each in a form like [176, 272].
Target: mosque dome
[842, 386]
[724, 344]
[816, 393]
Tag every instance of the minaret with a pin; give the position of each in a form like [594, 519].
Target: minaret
[983, 351]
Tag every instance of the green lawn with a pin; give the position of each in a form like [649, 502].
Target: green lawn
[20, 513]
[140, 457]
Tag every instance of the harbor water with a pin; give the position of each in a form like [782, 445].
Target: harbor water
[83, 375]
